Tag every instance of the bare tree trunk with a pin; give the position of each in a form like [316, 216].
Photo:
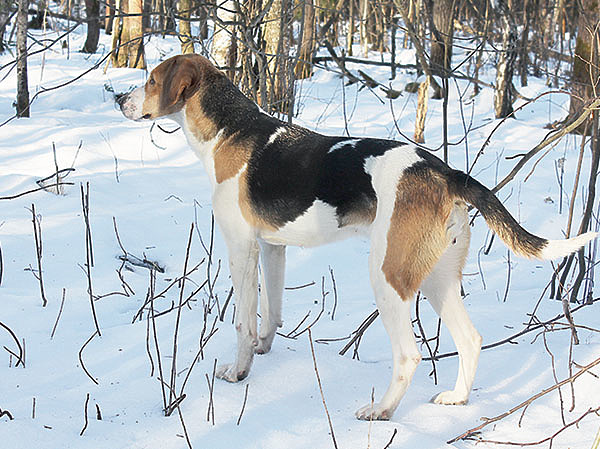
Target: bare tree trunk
[351, 27]
[122, 36]
[22, 87]
[441, 13]
[116, 35]
[146, 18]
[364, 38]
[4, 16]
[584, 77]
[276, 56]
[136, 36]
[307, 46]
[222, 37]
[503, 96]
[109, 16]
[202, 13]
[92, 13]
[185, 30]
[524, 53]
[422, 101]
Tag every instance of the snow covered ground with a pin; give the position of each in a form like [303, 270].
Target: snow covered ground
[154, 188]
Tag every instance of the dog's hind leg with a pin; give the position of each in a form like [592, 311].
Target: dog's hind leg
[442, 289]
[396, 318]
[272, 277]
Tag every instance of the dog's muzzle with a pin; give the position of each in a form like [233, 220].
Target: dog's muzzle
[131, 104]
[120, 99]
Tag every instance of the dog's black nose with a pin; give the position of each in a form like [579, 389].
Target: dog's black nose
[120, 98]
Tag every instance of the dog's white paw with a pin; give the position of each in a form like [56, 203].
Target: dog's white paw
[450, 398]
[374, 412]
[230, 373]
[264, 344]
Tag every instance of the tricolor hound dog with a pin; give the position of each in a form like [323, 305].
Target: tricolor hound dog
[276, 184]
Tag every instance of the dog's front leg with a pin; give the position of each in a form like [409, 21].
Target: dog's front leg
[272, 264]
[243, 265]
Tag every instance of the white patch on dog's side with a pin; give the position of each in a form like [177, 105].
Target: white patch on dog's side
[343, 143]
[316, 226]
[278, 132]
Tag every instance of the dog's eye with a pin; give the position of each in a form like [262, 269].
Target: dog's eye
[151, 81]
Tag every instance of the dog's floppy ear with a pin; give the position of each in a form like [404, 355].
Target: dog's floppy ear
[182, 81]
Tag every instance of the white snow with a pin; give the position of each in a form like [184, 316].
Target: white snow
[155, 188]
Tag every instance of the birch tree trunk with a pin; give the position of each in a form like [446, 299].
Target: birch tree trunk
[222, 37]
[22, 87]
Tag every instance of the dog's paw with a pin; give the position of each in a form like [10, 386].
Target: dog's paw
[374, 412]
[264, 345]
[450, 398]
[230, 373]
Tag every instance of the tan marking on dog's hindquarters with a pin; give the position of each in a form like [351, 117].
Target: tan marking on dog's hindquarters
[417, 235]
[230, 155]
[246, 208]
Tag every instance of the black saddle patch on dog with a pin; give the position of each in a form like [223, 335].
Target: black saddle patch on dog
[287, 175]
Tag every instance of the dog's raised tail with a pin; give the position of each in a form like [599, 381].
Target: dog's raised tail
[517, 238]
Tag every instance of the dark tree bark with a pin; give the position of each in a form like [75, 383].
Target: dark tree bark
[441, 15]
[92, 13]
[5, 6]
[307, 45]
[585, 72]
[22, 87]
[503, 97]
[109, 16]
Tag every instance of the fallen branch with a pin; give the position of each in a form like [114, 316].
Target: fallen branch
[81, 359]
[6, 413]
[37, 233]
[545, 440]
[21, 356]
[62, 303]
[243, 405]
[89, 257]
[530, 328]
[18, 195]
[85, 415]
[366, 62]
[172, 398]
[489, 421]
[358, 333]
[143, 263]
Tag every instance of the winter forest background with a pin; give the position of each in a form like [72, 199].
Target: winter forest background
[115, 298]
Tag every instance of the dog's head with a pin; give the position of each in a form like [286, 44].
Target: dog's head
[168, 88]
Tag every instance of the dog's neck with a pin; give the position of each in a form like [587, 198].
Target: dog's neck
[202, 143]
